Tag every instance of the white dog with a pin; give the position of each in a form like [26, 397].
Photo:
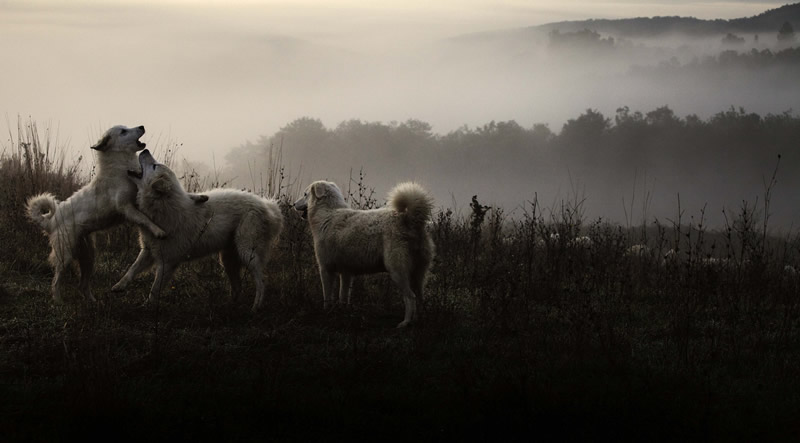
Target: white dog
[391, 239]
[241, 226]
[106, 201]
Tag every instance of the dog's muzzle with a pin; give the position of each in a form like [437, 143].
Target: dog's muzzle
[302, 209]
[139, 144]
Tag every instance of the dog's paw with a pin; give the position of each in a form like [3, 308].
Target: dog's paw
[403, 324]
[159, 233]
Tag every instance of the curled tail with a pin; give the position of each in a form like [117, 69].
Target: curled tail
[412, 202]
[41, 209]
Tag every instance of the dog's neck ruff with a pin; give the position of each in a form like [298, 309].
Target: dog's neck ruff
[116, 161]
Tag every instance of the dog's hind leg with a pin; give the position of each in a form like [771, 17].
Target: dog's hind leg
[55, 286]
[345, 287]
[255, 266]
[418, 284]
[230, 261]
[60, 259]
[143, 262]
[85, 253]
[402, 280]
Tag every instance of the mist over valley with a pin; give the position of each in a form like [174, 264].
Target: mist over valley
[221, 84]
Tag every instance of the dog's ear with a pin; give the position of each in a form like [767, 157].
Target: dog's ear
[320, 190]
[198, 198]
[161, 185]
[102, 145]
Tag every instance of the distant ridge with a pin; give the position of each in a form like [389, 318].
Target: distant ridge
[768, 21]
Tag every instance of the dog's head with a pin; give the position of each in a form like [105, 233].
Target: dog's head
[319, 193]
[121, 139]
[158, 181]
[153, 177]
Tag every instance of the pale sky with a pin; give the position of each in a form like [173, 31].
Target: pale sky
[213, 74]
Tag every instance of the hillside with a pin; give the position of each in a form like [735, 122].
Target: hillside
[646, 27]
[769, 21]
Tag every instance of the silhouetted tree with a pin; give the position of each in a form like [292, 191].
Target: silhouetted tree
[662, 117]
[732, 40]
[542, 133]
[587, 128]
[786, 33]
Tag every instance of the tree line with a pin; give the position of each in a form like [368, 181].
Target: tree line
[719, 160]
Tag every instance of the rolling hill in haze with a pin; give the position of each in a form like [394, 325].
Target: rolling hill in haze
[769, 21]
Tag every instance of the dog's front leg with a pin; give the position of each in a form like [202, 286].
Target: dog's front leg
[345, 287]
[143, 262]
[164, 272]
[327, 286]
[136, 216]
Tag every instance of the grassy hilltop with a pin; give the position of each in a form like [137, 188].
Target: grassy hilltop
[522, 333]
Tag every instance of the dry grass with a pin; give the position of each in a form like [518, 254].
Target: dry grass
[523, 334]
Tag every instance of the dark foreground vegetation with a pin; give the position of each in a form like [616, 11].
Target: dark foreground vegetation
[523, 335]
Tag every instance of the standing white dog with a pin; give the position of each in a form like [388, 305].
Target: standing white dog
[106, 201]
[391, 239]
[241, 226]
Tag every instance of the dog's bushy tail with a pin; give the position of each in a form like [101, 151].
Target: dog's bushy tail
[412, 202]
[41, 209]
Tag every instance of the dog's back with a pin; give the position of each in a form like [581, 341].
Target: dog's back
[227, 218]
[354, 241]
[235, 216]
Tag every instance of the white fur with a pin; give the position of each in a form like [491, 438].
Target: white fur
[106, 201]
[240, 226]
[350, 242]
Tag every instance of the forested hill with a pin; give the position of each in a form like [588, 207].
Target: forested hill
[769, 21]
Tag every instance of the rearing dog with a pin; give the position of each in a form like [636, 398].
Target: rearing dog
[106, 201]
[391, 239]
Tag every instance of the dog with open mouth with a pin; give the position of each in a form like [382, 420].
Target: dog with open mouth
[107, 200]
